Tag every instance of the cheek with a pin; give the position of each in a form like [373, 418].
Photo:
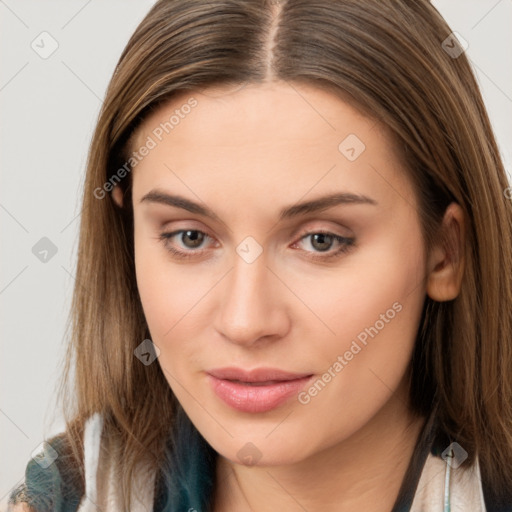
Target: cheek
[158, 286]
[165, 292]
[382, 276]
[373, 308]
[171, 295]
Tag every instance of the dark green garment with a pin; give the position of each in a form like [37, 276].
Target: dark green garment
[49, 489]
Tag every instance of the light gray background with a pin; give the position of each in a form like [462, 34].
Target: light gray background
[49, 108]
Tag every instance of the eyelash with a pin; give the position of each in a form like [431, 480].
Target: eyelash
[346, 244]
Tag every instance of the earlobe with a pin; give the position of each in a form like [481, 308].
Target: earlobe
[117, 196]
[446, 260]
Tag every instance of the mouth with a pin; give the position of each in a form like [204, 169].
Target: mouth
[258, 390]
[264, 383]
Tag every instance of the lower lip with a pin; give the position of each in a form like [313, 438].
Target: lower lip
[249, 398]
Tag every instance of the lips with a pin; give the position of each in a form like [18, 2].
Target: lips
[258, 390]
[257, 375]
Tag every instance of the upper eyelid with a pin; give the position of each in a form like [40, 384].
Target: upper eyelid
[176, 232]
[300, 229]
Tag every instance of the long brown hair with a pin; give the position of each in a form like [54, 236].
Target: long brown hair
[388, 58]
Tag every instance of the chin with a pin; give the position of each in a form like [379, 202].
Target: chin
[260, 450]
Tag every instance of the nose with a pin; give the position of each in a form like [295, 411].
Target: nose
[252, 305]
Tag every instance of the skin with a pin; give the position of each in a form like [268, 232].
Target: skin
[246, 154]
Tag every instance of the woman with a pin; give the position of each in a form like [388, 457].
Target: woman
[290, 292]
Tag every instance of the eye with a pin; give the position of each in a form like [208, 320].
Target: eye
[323, 241]
[190, 238]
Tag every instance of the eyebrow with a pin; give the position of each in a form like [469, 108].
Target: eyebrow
[315, 205]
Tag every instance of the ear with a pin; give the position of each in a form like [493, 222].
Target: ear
[117, 195]
[446, 260]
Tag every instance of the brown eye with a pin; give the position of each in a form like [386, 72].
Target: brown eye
[324, 245]
[184, 243]
[321, 241]
[195, 237]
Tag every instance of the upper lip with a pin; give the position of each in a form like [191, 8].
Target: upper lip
[256, 375]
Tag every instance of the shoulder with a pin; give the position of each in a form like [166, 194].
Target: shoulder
[470, 487]
[52, 481]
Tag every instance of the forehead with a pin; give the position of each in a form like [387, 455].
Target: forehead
[298, 112]
[296, 138]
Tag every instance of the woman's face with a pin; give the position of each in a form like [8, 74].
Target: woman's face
[233, 270]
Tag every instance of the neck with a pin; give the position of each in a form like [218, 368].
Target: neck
[363, 472]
